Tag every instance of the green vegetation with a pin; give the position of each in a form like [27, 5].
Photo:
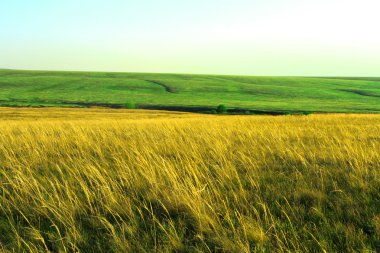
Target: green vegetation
[181, 92]
[221, 109]
[130, 105]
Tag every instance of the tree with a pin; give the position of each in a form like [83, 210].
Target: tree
[130, 105]
[221, 109]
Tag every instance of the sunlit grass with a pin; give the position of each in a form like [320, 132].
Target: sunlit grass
[136, 181]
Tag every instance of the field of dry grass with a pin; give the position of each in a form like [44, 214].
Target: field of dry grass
[97, 180]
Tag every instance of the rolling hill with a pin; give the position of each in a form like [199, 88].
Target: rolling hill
[189, 92]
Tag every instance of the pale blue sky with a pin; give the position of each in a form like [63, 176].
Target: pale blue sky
[250, 37]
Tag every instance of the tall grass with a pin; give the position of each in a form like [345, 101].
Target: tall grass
[94, 181]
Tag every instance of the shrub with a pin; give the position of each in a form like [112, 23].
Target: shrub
[307, 113]
[221, 109]
[130, 105]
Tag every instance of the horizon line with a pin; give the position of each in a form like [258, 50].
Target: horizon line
[181, 73]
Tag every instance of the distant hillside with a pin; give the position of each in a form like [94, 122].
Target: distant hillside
[189, 92]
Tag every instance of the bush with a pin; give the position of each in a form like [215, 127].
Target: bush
[221, 109]
[307, 113]
[130, 105]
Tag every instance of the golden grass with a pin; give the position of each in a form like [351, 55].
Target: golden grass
[98, 180]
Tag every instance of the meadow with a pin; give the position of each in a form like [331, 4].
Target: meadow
[198, 93]
[104, 180]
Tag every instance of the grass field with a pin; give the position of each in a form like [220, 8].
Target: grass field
[103, 180]
[189, 92]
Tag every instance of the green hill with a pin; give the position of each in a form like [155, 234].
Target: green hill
[189, 92]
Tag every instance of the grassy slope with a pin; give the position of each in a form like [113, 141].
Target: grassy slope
[260, 93]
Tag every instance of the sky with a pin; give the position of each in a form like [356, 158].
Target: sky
[241, 37]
